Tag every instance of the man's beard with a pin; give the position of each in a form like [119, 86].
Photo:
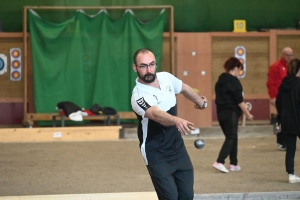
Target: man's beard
[148, 78]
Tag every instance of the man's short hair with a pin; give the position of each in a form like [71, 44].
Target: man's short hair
[142, 50]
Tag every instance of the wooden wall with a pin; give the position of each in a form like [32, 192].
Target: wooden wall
[257, 63]
[194, 68]
[280, 39]
[262, 49]
[288, 40]
[257, 60]
[199, 58]
[11, 92]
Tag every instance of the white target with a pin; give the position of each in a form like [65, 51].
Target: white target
[240, 53]
[3, 64]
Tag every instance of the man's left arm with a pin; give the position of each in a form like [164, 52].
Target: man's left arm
[190, 94]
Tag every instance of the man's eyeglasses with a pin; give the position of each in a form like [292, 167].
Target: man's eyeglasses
[289, 55]
[145, 66]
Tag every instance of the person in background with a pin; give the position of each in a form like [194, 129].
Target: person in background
[277, 71]
[159, 131]
[230, 105]
[288, 109]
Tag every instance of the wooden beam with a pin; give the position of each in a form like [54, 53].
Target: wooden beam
[25, 61]
[11, 35]
[97, 7]
[94, 196]
[127, 115]
[172, 51]
[49, 116]
[246, 34]
[11, 100]
[250, 96]
[30, 118]
[60, 134]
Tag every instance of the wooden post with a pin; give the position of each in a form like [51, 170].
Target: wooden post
[25, 60]
[172, 62]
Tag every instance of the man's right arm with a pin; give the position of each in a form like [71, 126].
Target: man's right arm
[272, 84]
[156, 114]
[278, 105]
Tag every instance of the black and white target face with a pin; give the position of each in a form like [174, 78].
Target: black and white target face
[248, 105]
[1, 64]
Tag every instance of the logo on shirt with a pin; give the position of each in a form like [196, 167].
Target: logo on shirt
[143, 104]
[158, 102]
[169, 89]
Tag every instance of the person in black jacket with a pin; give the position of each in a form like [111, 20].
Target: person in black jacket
[230, 105]
[288, 109]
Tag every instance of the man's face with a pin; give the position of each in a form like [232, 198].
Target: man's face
[287, 55]
[146, 67]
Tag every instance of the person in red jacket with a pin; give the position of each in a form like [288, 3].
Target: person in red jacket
[277, 71]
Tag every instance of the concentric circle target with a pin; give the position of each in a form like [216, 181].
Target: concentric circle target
[1, 64]
[16, 64]
[240, 51]
[16, 74]
[15, 53]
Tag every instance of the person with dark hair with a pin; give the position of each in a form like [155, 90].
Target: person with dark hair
[277, 71]
[288, 109]
[159, 130]
[230, 105]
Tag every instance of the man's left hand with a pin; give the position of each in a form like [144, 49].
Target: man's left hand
[204, 103]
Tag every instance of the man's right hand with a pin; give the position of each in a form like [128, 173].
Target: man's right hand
[184, 126]
[273, 102]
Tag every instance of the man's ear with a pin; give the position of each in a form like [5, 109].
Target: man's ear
[134, 67]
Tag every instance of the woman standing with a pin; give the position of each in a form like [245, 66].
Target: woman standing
[288, 109]
[230, 105]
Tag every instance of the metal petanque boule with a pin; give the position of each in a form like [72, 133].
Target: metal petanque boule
[199, 143]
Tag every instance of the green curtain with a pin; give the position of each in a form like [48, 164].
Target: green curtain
[88, 59]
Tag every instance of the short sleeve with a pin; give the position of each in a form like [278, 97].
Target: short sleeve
[141, 102]
[177, 83]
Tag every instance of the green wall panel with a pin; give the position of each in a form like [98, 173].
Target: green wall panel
[189, 15]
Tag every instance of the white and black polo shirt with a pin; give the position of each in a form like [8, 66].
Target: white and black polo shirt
[158, 143]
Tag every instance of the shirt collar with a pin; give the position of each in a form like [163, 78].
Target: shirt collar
[146, 88]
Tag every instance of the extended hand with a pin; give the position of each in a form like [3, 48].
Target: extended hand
[204, 104]
[184, 126]
[249, 117]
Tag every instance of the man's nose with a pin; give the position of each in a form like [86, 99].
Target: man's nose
[149, 68]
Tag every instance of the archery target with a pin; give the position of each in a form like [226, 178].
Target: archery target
[15, 64]
[240, 53]
[3, 64]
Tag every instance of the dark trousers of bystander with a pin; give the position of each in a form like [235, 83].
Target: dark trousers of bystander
[280, 138]
[228, 121]
[291, 144]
